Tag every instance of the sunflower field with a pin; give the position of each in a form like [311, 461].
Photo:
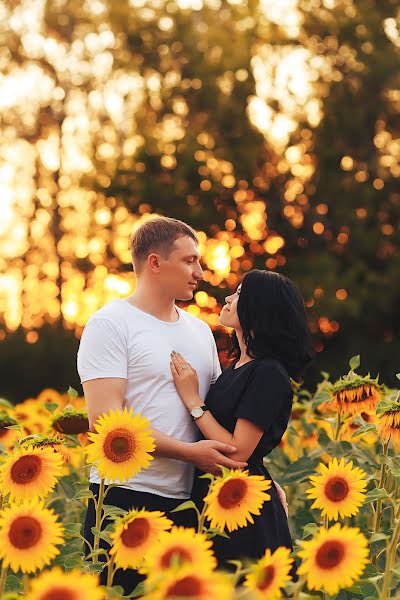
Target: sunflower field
[338, 463]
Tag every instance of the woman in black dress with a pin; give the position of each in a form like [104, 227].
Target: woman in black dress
[249, 405]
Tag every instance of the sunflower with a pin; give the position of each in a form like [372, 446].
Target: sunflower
[270, 574]
[354, 394]
[180, 546]
[58, 585]
[53, 442]
[29, 472]
[189, 582]
[70, 421]
[7, 436]
[136, 535]
[351, 425]
[49, 396]
[29, 534]
[339, 490]
[334, 559]
[233, 497]
[389, 423]
[34, 417]
[121, 445]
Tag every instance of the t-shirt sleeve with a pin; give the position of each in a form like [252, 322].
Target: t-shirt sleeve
[102, 351]
[216, 365]
[268, 396]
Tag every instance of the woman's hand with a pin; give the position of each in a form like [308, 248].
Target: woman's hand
[186, 380]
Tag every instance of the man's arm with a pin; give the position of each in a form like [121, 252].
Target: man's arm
[105, 394]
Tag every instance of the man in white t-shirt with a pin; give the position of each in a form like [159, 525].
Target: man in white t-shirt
[124, 361]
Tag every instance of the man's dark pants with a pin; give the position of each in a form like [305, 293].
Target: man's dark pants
[128, 499]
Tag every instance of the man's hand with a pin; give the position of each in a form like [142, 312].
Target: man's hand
[208, 454]
[282, 497]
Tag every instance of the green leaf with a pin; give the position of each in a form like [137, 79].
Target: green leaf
[98, 568]
[364, 429]
[354, 362]
[116, 591]
[398, 375]
[211, 533]
[73, 528]
[299, 470]
[104, 535]
[15, 427]
[138, 591]
[73, 561]
[310, 529]
[185, 506]
[378, 537]
[82, 494]
[109, 510]
[321, 397]
[6, 403]
[51, 406]
[13, 583]
[376, 494]
[72, 393]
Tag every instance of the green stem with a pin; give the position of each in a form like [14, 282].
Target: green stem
[390, 559]
[99, 509]
[299, 586]
[378, 506]
[338, 426]
[202, 518]
[3, 579]
[111, 571]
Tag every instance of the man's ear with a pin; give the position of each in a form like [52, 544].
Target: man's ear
[153, 260]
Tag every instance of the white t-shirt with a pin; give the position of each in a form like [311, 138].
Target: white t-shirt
[120, 340]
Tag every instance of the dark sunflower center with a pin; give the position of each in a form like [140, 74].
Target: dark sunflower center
[266, 577]
[26, 469]
[330, 554]
[177, 553]
[136, 533]
[336, 489]
[58, 592]
[25, 532]
[187, 587]
[119, 445]
[232, 493]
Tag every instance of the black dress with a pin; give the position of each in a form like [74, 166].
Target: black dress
[260, 392]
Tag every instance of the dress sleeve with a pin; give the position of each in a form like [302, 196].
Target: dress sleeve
[102, 351]
[267, 396]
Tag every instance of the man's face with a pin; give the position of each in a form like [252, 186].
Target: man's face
[180, 273]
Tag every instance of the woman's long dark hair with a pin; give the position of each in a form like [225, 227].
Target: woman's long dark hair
[273, 319]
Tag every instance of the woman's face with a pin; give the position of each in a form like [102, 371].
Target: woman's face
[229, 316]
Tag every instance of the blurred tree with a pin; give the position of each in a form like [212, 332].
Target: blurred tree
[272, 128]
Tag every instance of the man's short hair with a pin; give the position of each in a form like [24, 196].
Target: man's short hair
[157, 235]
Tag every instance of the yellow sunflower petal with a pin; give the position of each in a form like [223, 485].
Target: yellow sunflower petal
[121, 446]
[136, 535]
[334, 559]
[189, 582]
[59, 585]
[234, 497]
[270, 574]
[180, 546]
[30, 472]
[339, 490]
[29, 536]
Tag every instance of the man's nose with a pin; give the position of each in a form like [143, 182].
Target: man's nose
[198, 273]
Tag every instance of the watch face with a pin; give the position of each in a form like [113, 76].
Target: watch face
[197, 412]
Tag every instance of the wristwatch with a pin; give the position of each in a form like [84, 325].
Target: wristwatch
[198, 411]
